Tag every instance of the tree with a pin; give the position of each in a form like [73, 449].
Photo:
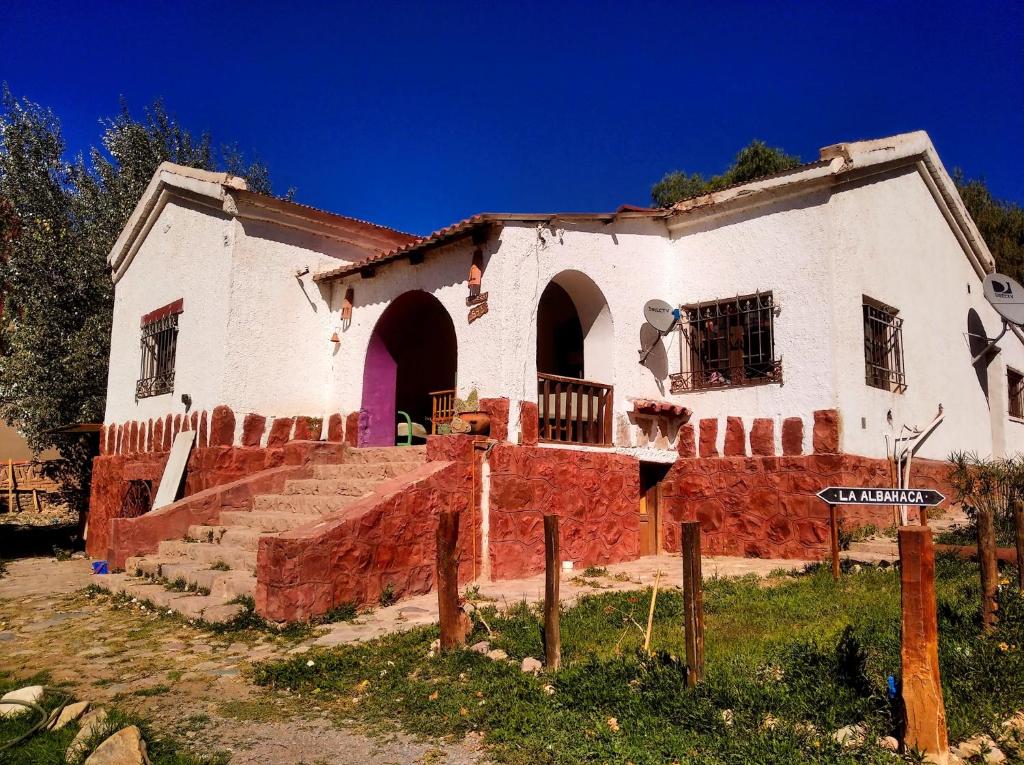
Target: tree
[755, 160]
[62, 219]
[1001, 224]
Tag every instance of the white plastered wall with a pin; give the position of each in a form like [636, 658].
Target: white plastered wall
[254, 334]
[187, 254]
[780, 248]
[895, 246]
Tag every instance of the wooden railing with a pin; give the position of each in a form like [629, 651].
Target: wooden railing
[574, 411]
[442, 409]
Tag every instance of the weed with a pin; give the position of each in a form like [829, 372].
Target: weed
[178, 585]
[61, 554]
[220, 565]
[388, 596]
[594, 571]
[153, 690]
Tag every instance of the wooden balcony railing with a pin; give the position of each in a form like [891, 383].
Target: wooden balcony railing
[574, 411]
[442, 409]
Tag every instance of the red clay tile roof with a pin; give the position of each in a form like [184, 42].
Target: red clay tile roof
[474, 222]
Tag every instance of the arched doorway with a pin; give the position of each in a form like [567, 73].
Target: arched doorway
[412, 354]
[575, 361]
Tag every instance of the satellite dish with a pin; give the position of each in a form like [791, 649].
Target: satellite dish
[1006, 296]
[663, 317]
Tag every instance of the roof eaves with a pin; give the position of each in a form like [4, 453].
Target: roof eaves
[475, 222]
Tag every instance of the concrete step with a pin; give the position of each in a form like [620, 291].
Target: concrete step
[351, 487]
[387, 454]
[877, 547]
[303, 504]
[268, 521]
[209, 553]
[235, 536]
[223, 584]
[207, 607]
[379, 471]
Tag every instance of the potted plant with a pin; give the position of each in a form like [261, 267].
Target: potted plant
[469, 419]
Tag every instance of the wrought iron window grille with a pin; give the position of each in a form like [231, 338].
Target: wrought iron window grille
[159, 347]
[728, 343]
[1015, 389]
[883, 347]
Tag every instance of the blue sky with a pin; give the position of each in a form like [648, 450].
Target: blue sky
[415, 115]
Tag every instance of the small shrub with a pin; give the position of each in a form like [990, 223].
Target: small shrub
[388, 596]
[220, 565]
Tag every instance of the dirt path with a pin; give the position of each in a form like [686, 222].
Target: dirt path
[192, 684]
[185, 681]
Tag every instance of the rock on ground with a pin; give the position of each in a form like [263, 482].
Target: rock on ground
[531, 664]
[32, 694]
[70, 713]
[125, 747]
[91, 722]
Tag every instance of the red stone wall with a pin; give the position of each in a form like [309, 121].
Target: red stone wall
[387, 539]
[142, 535]
[138, 451]
[766, 507]
[597, 495]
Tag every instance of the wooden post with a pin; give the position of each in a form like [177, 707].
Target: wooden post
[923, 512]
[453, 621]
[833, 522]
[693, 603]
[989, 568]
[552, 577]
[11, 503]
[919, 651]
[1018, 517]
[35, 501]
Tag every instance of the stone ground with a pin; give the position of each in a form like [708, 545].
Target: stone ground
[192, 684]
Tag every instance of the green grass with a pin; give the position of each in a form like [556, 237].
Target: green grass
[48, 748]
[803, 651]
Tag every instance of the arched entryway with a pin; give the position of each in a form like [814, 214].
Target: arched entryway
[575, 361]
[412, 354]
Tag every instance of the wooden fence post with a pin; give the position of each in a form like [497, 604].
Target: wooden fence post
[923, 514]
[453, 621]
[833, 523]
[989, 567]
[693, 603]
[1018, 517]
[919, 651]
[552, 577]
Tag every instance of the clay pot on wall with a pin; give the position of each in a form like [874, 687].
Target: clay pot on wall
[477, 423]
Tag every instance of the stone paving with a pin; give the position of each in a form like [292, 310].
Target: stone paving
[191, 683]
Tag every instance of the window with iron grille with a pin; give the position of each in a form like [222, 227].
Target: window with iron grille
[728, 343]
[159, 345]
[883, 347]
[1015, 388]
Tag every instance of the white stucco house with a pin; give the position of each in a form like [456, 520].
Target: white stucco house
[872, 226]
[850, 285]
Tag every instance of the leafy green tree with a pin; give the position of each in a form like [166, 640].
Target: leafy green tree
[1001, 224]
[61, 220]
[755, 160]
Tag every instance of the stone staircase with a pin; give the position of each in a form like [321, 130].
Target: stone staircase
[209, 574]
[877, 549]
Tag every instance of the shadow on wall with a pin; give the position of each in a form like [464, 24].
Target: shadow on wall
[977, 340]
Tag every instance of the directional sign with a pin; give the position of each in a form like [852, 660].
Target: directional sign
[862, 495]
